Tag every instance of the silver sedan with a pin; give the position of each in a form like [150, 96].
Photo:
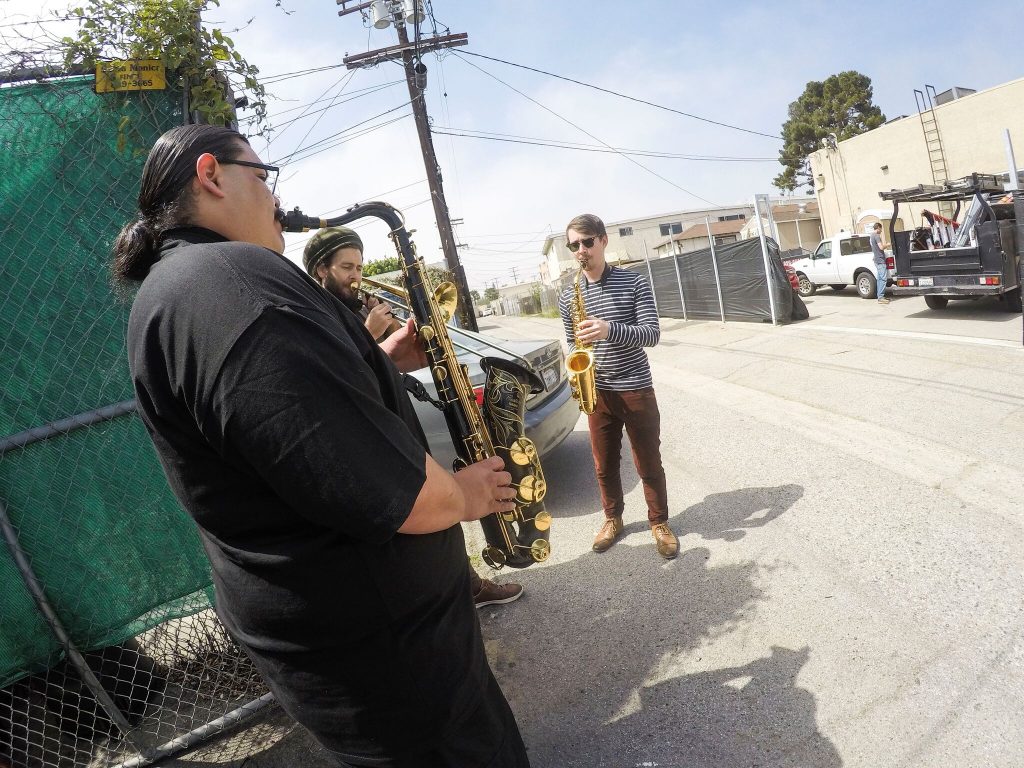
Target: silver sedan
[550, 414]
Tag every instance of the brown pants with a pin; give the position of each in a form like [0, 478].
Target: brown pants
[637, 411]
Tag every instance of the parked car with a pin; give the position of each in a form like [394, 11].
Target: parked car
[839, 261]
[794, 280]
[550, 415]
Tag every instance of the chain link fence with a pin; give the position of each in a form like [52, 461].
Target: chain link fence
[109, 650]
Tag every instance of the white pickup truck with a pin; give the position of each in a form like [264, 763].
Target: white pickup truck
[837, 262]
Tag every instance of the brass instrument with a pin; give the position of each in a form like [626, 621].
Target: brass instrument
[375, 291]
[518, 538]
[580, 362]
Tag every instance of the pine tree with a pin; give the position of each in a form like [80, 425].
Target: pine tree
[840, 105]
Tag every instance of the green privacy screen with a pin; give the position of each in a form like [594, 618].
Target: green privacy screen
[109, 544]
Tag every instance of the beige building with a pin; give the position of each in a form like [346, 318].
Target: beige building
[798, 225]
[698, 236]
[957, 137]
[635, 239]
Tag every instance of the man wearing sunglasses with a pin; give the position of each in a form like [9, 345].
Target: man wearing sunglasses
[621, 320]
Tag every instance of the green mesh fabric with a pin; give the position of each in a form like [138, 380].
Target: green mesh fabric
[114, 552]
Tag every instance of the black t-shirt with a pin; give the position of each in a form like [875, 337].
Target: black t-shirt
[286, 433]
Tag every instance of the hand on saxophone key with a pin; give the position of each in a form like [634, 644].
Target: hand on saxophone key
[379, 318]
[592, 329]
[486, 487]
[405, 348]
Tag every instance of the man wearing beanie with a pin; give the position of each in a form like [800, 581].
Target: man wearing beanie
[334, 258]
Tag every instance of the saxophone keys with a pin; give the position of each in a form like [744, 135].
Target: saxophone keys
[495, 557]
[539, 550]
[542, 521]
[532, 489]
[522, 452]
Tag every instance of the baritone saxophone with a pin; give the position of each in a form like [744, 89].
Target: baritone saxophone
[495, 427]
[579, 364]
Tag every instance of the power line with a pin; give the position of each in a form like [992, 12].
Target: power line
[353, 95]
[44, 21]
[624, 96]
[343, 82]
[512, 139]
[291, 157]
[582, 130]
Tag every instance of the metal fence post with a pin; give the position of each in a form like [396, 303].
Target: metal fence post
[714, 263]
[764, 256]
[679, 282]
[650, 276]
[49, 614]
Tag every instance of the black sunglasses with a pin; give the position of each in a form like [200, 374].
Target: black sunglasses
[272, 171]
[586, 242]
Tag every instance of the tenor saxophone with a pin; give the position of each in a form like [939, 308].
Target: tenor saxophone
[518, 538]
[580, 363]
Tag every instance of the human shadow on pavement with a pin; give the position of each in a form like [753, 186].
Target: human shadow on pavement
[753, 714]
[594, 661]
[729, 515]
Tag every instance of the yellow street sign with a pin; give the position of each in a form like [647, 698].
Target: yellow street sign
[134, 75]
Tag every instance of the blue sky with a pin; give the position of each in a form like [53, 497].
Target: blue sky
[739, 63]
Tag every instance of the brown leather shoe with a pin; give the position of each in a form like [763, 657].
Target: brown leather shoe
[494, 594]
[609, 532]
[665, 541]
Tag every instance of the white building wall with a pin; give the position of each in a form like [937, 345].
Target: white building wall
[895, 156]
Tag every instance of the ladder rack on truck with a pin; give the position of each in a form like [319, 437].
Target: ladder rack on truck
[979, 255]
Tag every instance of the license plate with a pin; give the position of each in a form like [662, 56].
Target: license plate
[926, 281]
[551, 377]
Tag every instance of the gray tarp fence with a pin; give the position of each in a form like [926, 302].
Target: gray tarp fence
[741, 272]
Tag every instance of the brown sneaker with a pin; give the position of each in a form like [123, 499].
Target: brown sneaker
[665, 541]
[493, 594]
[608, 534]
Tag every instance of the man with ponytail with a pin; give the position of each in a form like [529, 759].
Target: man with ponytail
[286, 434]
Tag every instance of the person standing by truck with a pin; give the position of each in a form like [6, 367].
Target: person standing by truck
[878, 252]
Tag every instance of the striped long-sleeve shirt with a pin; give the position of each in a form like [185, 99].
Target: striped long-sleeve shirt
[624, 299]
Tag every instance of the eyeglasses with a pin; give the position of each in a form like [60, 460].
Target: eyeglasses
[272, 171]
[586, 242]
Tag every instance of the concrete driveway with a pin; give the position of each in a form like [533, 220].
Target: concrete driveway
[851, 579]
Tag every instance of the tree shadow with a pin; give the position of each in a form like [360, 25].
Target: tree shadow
[727, 516]
[594, 658]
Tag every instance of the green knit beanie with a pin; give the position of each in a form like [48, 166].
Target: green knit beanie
[325, 242]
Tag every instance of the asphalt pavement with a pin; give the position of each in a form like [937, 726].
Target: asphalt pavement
[850, 582]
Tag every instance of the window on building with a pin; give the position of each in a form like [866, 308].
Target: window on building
[723, 239]
[733, 217]
[625, 231]
[671, 229]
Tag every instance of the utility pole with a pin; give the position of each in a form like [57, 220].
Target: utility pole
[401, 13]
